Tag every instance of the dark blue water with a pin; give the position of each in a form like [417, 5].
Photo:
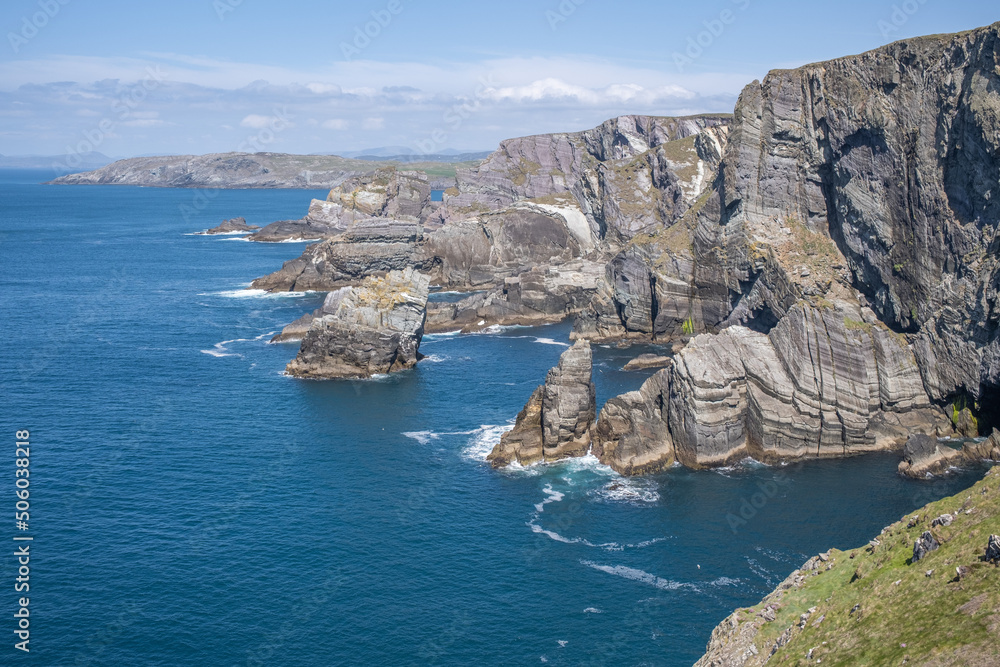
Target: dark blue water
[193, 506]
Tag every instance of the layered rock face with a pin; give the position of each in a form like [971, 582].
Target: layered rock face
[386, 193]
[631, 174]
[372, 329]
[558, 419]
[371, 247]
[535, 297]
[536, 202]
[871, 179]
[632, 435]
[823, 383]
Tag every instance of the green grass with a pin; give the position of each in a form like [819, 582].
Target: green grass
[905, 617]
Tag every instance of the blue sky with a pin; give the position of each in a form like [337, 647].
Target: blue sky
[201, 76]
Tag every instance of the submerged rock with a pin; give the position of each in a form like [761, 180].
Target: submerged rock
[372, 329]
[231, 226]
[558, 419]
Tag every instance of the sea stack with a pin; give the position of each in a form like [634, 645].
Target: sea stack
[372, 329]
[558, 419]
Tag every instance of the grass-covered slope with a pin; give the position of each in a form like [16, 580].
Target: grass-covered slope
[874, 606]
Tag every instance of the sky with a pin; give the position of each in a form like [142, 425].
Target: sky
[129, 78]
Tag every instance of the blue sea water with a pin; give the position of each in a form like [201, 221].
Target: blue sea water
[191, 505]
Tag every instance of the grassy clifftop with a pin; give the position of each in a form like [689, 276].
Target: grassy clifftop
[875, 606]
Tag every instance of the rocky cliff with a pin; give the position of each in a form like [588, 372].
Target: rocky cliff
[868, 180]
[363, 331]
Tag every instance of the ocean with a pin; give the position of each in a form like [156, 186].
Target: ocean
[191, 505]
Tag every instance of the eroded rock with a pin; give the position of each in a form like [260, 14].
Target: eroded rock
[372, 329]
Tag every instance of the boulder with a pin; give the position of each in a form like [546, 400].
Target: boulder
[372, 329]
[923, 546]
[558, 420]
[924, 456]
[646, 361]
[993, 549]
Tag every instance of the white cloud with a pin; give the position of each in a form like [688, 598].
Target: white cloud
[373, 124]
[336, 124]
[256, 122]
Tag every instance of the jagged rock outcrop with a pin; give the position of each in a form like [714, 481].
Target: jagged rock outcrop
[924, 545]
[644, 361]
[823, 383]
[924, 456]
[372, 329]
[232, 226]
[632, 173]
[987, 449]
[371, 247]
[386, 193]
[535, 297]
[631, 435]
[558, 419]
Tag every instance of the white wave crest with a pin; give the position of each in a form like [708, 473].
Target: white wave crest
[640, 576]
[423, 437]
[483, 440]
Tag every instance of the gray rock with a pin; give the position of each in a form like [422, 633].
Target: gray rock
[924, 456]
[371, 247]
[232, 226]
[537, 296]
[558, 420]
[372, 329]
[644, 361]
[943, 520]
[811, 388]
[993, 549]
[923, 546]
[631, 435]
[987, 449]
